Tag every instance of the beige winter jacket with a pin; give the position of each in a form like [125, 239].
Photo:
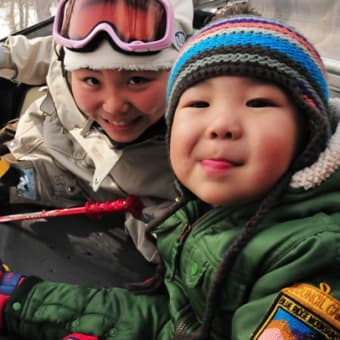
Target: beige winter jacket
[68, 161]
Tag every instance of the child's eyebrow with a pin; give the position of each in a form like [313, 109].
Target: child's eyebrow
[259, 81]
[87, 69]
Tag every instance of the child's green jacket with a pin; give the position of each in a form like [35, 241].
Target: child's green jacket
[299, 244]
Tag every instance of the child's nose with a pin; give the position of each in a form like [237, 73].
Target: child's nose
[115, 104]
[225, 128]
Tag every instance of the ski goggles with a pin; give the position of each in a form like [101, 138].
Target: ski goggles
[131, 25]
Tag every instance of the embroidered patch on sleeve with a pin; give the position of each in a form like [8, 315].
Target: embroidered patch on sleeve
[26, 186]
[302, 312]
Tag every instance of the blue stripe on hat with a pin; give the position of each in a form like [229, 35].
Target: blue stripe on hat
[255, 39]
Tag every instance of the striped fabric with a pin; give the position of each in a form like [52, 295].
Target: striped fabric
[256, 39]
[261, 48]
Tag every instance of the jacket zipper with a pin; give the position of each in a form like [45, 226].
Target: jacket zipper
[184, 233]
[186, 229]
[181, 326]
[184, 324]
[188, 320]
[179, 242]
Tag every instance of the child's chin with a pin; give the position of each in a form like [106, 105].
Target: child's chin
[123, 134]
[123, 139]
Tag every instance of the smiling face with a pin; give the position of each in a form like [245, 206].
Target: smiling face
[124, 103]
[232, 138]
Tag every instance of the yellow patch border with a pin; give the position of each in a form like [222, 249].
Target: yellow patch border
[4, 167]
[311, 305]
[318, 300]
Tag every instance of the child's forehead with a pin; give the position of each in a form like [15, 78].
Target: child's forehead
[233, 86]
[141, 71]
[244, 80]
[122, 72]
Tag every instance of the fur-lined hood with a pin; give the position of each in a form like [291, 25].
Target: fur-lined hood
[328, 161]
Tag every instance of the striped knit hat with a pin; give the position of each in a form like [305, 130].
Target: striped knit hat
[264, 49]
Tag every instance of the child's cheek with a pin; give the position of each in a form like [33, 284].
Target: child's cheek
[85, 102]
[273, 161]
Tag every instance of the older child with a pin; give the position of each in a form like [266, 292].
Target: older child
[97, 131]
[251, 249]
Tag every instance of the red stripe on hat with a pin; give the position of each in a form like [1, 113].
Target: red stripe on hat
[264, 25]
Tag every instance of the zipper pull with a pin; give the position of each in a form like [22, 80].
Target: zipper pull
[177, 249]
[184, 233]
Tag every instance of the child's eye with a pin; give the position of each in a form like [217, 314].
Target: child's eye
[260, 102]
[138, 80]
[91, 81]
[198, 104]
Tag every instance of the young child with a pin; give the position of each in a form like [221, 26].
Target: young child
[251, 249]
[97, 131]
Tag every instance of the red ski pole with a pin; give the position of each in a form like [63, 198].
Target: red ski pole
[130, 204]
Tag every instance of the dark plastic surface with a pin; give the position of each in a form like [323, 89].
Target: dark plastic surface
[73, 249]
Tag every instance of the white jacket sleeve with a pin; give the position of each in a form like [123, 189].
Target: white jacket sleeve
[26, 60]
[137, 229]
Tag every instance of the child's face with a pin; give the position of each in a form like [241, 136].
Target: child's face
[232, 138]
[123, 103]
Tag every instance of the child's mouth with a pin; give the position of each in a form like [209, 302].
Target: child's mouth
[123, 124]
[120, 123]
[217, 164]
[218, 167]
